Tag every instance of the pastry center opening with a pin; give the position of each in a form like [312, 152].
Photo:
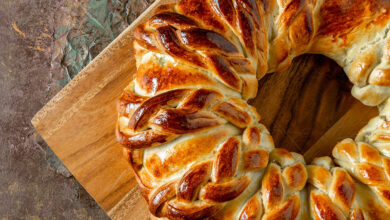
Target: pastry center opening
[303, 103]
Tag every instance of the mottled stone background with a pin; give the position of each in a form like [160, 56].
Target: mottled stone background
[43, 45]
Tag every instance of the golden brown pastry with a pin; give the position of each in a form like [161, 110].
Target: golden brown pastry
[367, 165]
[335, 195]
[197, 148]
[377, 131]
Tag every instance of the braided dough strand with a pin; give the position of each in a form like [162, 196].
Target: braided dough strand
[197, 148]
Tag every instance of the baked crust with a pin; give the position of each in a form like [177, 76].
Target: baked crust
[197, 148]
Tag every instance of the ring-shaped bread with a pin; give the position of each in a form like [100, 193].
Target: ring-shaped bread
[197, 148]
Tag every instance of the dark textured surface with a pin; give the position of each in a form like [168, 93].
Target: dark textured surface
[33, 68]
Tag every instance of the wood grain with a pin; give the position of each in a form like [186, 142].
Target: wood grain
[300, 104]
[310, 103]
[347, 126]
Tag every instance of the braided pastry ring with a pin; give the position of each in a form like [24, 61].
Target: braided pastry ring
[197, 148]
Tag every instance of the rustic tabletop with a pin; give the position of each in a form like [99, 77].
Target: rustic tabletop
[43, 45]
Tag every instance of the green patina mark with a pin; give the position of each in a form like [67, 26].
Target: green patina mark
[99, 16]
[61, 31]
[101, 22]
[86, 39]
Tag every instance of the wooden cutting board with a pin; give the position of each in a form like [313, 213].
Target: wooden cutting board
[307, 108]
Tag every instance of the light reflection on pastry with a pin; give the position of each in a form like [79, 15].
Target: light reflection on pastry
[197, 148]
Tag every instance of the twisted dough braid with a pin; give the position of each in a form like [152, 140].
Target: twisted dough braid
[197, 148]
[281, 194]
[334, 194]
[360, 187]
[367, 165]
